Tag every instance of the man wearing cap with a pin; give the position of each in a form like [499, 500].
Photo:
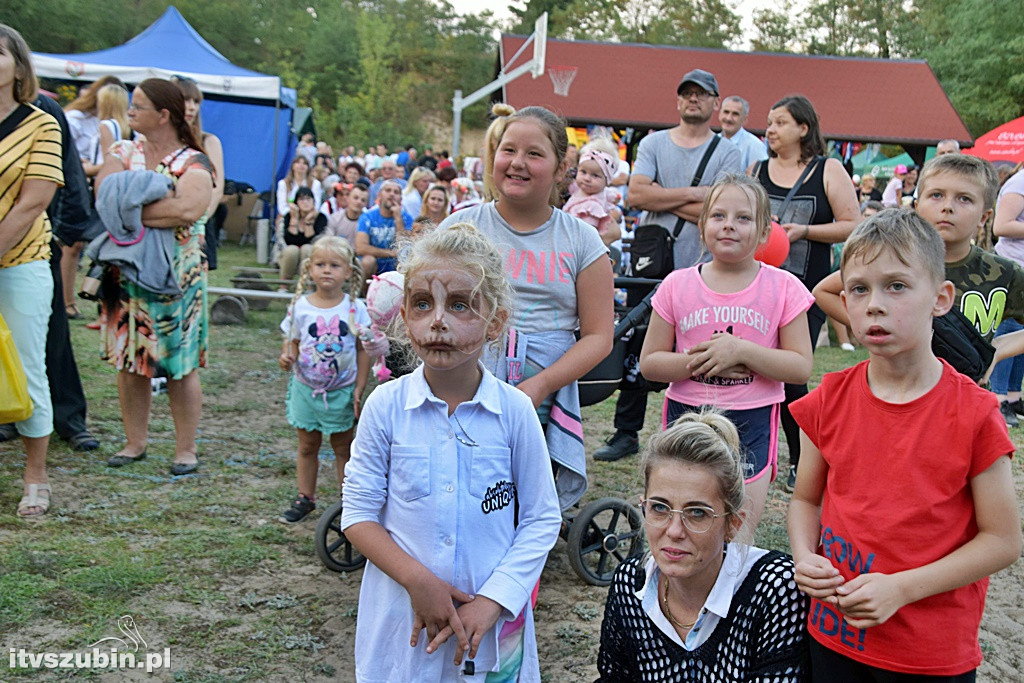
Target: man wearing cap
[662, 185]
[732, 117]
[892, 196]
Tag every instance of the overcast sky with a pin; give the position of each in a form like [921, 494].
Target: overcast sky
[745, 8]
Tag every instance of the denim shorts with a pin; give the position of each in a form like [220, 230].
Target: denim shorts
[759, 435]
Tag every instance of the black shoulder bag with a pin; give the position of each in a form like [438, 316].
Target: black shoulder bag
[14, 119]
[650, 254]
[799, 251]
[958, 342]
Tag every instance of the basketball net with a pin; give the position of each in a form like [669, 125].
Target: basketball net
[561, 78]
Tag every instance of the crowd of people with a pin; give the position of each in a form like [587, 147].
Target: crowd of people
[455, 474]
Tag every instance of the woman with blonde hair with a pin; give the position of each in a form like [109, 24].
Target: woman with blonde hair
[83, 119]
[437, 203]
[83, 122]
[412, 196]
[112, 112]
[299, 175]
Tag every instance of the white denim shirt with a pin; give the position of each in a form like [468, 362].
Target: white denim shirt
[450, 506]
[735, 567]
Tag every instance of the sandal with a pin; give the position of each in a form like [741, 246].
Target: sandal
[72, 312]
[34, 500]
[120, 460]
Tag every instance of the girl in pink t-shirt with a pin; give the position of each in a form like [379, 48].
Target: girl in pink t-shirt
[730, 332]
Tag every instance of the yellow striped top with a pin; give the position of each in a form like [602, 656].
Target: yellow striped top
[32, 150]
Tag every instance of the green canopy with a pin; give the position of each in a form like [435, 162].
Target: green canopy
[884, 169]
[865, 159]
[302, 122]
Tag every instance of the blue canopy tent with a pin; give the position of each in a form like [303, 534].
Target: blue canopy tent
[243, 108]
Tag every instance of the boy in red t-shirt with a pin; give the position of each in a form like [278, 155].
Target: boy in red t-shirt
[904, 501]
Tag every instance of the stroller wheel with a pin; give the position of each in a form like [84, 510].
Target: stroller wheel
[604, 534]
[333, 549]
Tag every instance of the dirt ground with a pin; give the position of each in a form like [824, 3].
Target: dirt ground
[568, 615]
[284, 597]
[569, 612]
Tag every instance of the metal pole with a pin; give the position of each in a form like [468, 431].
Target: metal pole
[456, 123]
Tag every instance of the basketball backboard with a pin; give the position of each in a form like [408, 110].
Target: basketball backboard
[540, 45]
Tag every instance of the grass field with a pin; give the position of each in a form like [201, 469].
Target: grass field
[206, 572]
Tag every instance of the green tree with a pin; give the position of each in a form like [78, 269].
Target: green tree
[523, 18]
[976, 48]
[708, 23]
[852, 27]
[775, 31]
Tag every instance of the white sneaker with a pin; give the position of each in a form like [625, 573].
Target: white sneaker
[847, 347]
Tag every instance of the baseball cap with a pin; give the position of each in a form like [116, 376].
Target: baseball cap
[702, 78]
[901, 169]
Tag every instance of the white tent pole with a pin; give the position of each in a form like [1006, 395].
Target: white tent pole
[273, 168]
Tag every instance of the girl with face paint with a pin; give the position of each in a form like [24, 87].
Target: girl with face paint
[449, 493]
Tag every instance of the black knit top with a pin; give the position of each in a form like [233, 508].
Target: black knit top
[763, 638]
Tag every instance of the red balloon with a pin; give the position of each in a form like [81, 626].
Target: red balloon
[775, 249]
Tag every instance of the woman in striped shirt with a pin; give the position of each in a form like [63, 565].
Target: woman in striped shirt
[30, 171]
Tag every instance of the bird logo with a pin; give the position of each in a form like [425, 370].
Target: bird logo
[126, 624]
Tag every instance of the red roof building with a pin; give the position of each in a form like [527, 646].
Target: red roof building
[634, 85]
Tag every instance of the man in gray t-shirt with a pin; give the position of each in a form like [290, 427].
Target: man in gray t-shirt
[667, 161]
[662, 185]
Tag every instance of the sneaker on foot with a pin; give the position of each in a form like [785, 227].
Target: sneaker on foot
[8, 433]
[1018, 407]
[620, 445]
[847, 347]
[1007, 410]
[301, 507]
[791, 480]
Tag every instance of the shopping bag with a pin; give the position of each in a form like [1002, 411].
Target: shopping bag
[15, 404]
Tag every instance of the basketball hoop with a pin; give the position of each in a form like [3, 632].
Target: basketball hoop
[561, 78]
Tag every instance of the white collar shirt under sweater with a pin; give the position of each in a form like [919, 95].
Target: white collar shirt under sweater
[735, 567]
[451, 506]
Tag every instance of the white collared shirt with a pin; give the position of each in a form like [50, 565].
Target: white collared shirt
[735, 567]
[451, 506]
[752, 148]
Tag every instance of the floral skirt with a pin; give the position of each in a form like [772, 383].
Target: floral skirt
[158, 335]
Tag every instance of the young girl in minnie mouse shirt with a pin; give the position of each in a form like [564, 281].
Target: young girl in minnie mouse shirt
[329, 362]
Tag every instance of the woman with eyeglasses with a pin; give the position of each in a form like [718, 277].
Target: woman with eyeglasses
[148, 334]
[701, 606]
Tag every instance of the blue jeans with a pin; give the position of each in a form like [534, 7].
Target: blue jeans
[1008, 374]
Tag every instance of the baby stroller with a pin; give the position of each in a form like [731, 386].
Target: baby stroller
[601, 535]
